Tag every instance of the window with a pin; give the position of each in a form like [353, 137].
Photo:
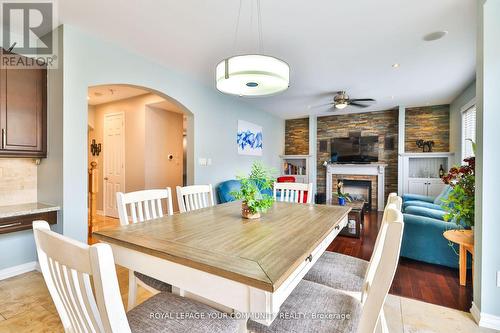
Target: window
[468, 130]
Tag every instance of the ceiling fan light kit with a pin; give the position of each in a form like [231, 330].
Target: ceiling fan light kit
[252, 75]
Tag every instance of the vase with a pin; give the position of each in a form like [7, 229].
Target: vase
[246, 213]
[341, 201]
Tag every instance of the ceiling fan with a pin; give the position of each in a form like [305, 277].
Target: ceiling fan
[342, 100]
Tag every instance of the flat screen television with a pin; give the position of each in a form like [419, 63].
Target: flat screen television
[354, 149]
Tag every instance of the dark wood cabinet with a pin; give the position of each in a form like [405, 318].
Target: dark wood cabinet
[23, 111]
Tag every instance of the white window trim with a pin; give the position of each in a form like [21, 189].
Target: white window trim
[468, 105]
[464, 108]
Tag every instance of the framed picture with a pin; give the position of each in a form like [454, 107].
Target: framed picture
[249, 138]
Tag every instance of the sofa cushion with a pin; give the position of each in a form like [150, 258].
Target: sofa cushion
[417, 197]
[421, 204]
[443, 195]
[427, 212]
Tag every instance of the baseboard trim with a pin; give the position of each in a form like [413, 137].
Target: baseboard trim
[19, 269]
[484, 319]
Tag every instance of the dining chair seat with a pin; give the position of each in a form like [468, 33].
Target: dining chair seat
[169, 313]
[154, 283]
[345, 272]
[314, 307]
[311, 298]
[339, 271]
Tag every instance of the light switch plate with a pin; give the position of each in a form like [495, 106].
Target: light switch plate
[202, 161]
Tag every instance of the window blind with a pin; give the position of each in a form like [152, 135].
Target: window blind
[468, 131]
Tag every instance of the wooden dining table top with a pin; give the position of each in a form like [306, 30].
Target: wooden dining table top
[261, 253]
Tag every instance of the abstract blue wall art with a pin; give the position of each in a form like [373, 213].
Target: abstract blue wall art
[249, 138]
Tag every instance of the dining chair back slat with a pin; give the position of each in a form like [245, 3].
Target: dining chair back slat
[292, 192]
[194, 197]
[68, 268]
[376, 286]
[140, 206]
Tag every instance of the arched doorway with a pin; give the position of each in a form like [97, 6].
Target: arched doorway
[138, 138]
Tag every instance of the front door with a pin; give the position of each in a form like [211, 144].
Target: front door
[114, 161]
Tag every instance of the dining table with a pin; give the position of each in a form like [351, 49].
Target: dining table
[245, 267]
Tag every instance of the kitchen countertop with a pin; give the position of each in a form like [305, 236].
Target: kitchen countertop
[26, 209]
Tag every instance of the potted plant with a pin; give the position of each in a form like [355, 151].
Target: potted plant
[254, 201]
[460, 203]
[341, 195]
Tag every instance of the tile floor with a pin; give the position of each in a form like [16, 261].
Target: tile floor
[26, 306]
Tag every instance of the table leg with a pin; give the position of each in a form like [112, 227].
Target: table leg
[463, 265]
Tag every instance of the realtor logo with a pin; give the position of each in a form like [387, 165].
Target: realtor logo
[27, 27]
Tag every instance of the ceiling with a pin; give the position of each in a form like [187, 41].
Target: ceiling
[110, 93]
[330, 45]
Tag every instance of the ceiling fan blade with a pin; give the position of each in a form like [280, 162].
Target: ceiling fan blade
[362, 100]
[320, 105]
[358, 104]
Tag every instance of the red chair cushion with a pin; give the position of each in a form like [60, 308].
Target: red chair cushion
[286, 179]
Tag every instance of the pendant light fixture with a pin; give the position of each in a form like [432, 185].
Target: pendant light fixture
[252, 75]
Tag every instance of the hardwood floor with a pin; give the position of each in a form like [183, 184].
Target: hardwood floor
[429, 283]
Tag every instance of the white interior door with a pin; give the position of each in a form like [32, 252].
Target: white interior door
[114, 161]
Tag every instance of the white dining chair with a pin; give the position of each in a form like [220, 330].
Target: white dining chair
[292, 192]
[194, 197]
[347, 273]
[82, 282]
[364, 316]
[137, 207]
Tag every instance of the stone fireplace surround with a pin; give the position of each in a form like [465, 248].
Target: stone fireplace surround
[374, 172]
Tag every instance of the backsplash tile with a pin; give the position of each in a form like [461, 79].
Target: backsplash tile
[18, 181]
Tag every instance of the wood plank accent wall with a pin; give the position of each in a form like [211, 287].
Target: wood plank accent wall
[297, 136]
[382, 123]
[428, 123]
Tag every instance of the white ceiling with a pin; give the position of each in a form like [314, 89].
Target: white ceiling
[329, 44]
[110, 93]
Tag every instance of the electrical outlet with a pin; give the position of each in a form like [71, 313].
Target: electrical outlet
[498, 279]
[202, 161]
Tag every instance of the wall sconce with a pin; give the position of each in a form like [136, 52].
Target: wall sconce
[95, 148]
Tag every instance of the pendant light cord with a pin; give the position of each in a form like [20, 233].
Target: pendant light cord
[259, 22]
[259, 26]
[235, 42]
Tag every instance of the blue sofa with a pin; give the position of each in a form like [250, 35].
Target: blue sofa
[423, 233]
[225, 188]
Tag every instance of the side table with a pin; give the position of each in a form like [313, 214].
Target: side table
[465, 240]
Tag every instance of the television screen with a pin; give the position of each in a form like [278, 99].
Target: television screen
[358, 149]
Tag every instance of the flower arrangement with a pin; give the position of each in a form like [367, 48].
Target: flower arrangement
[254, 202]
[341, 195]
[460, 203]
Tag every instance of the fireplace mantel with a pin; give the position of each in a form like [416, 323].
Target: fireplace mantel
[372, 169]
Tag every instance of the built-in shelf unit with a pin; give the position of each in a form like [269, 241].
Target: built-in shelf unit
[296, 166]
[421, 172]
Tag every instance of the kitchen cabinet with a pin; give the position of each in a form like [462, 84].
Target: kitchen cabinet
[23, 111]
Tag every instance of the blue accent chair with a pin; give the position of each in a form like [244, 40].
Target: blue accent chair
[423, 241]
[225, 188]
[423, 233]
[425, 201]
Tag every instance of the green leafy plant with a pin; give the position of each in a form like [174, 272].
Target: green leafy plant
[260, 178]
[459, 206]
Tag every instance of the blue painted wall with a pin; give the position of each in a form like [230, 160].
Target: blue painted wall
[90, 61]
